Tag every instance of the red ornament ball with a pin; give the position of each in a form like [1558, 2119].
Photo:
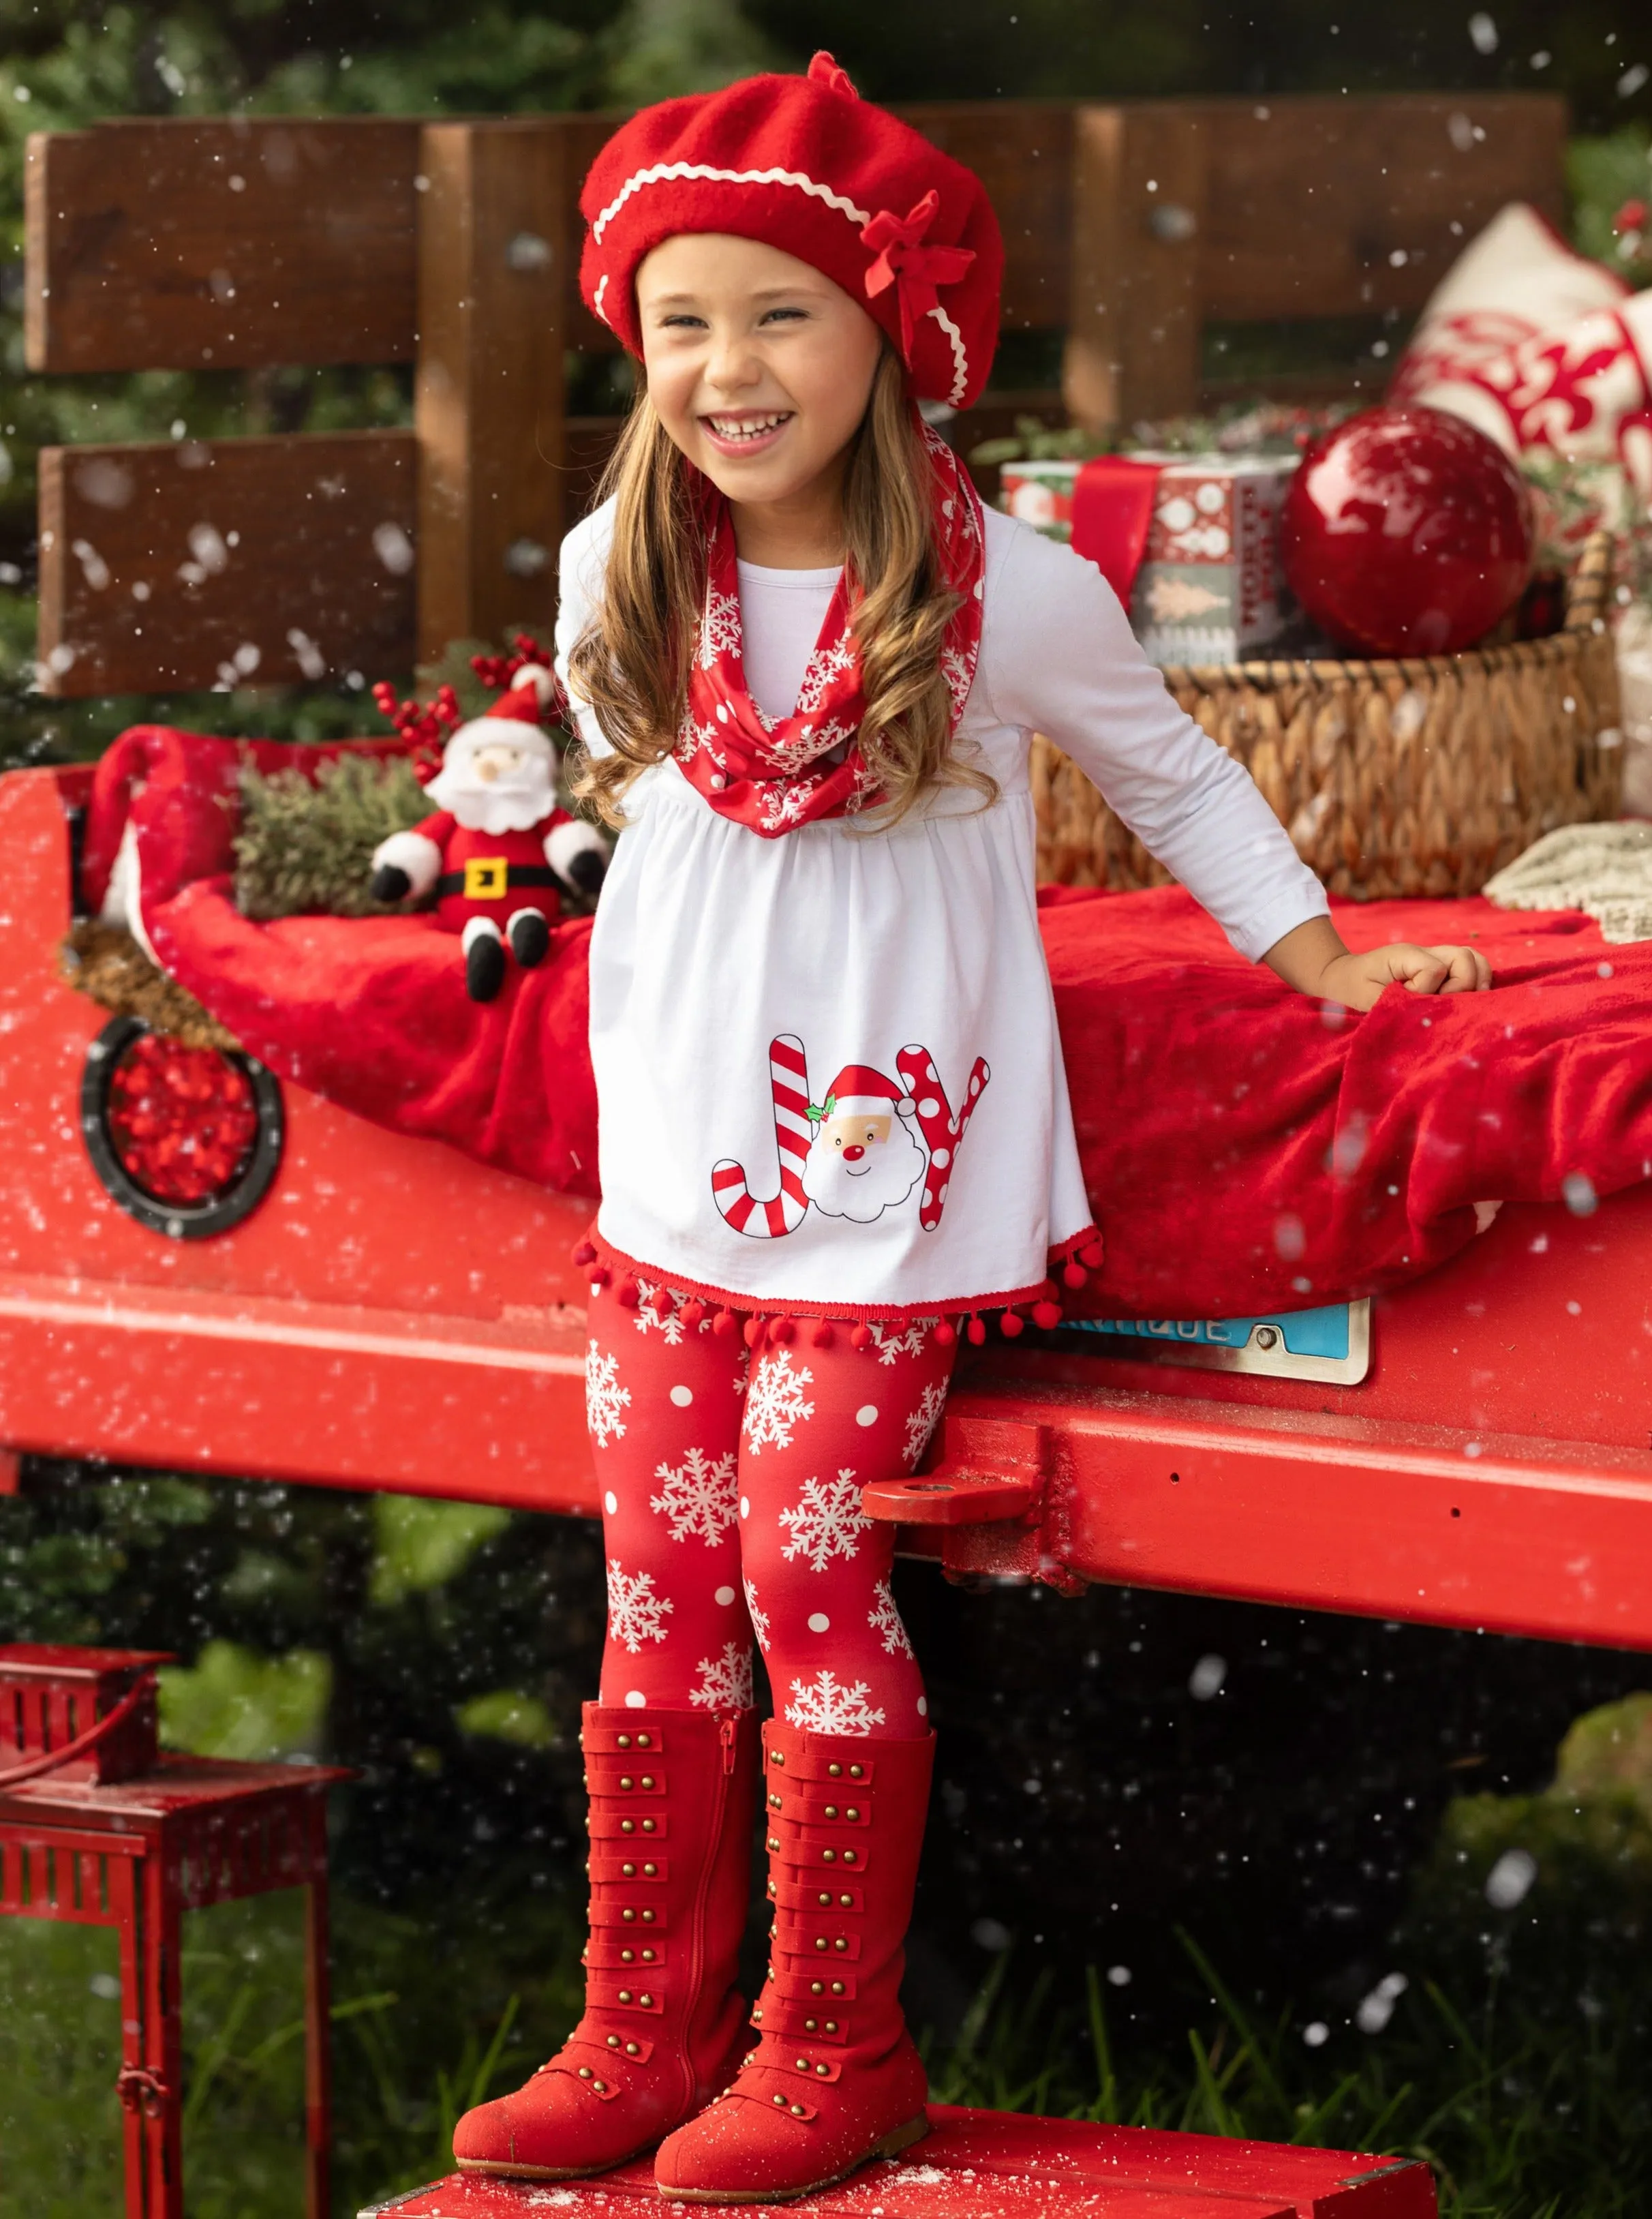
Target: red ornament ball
[1406, 532]
[183, 1120]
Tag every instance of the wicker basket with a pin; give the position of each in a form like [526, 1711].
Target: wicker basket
[1393, 778]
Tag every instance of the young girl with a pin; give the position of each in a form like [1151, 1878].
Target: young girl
[834, 1126]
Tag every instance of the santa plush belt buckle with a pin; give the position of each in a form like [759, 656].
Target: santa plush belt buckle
[1332, 1343]
[486, 878]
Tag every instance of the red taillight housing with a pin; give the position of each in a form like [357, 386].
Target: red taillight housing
[187, 1140]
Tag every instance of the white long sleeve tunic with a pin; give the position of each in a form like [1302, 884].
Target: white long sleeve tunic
[712, 940]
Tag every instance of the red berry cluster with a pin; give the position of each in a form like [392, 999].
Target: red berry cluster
[500, 672]
[424, 724]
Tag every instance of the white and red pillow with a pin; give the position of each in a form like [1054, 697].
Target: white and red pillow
[1539, 347]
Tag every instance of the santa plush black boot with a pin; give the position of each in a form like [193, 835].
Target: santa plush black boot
[530, 937]
[484, 965]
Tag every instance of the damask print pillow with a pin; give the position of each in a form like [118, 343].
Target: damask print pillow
[1539, 347]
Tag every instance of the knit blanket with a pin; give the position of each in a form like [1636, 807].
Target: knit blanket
[1246, 1148]
[1604, 870]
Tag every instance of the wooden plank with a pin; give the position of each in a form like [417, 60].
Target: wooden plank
[194, 243]
[177, 566]
[493, 246]
[1021, 151]
[1324, 207]
[1139, 208]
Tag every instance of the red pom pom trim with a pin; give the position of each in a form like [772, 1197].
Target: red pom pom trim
[1011, 1324]
[693, 1311]
[823, 1335]
[945, 1333]
[1094, 1255]
[630, 1294]
[754, 1331]
[977, 1332]
[861, 1337]
[724, 1322]
[584, 1254]
[1074, 1275]
[780, 1331]
[1046, 1315]
[600, 1275]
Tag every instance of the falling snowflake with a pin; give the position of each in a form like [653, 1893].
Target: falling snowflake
[635, 1611]
[825, 1705]
[670, 1327]
[884, 1619]
[699, 1496]
[759, 1617]
[719, 628]
[921, 1422]
[774, 1401]
[908, 1339]
[724, 1681]
[826, 1521]
[605, 1398]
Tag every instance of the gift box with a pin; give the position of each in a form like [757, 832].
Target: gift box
[1189, 542]
[1039, 494]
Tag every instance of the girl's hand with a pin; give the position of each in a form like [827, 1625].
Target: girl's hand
[1356, 981]
[1314, 960]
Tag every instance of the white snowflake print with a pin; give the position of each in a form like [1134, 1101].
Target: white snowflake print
[605, 1398]
[636, 1613]
[959, 674]
[884, 1619]
[826, 1521]
[921, 1422]
[908, 1339]
[698, 1496]
[785, 806]
[824, 1705]
[837, 661]
[774, 1401]
[719, 628]
[670, 1327]
[759, 1617]
[724, 1681]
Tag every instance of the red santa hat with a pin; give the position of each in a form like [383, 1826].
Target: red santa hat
[530, 690]
[803, 164]
[859, 1092]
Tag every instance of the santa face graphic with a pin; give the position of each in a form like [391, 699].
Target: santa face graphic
[497, 775]
[864, 1159]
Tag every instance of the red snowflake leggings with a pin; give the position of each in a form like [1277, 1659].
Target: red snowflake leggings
[731, 1503]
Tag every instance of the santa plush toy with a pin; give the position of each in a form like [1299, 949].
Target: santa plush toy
[499, 848]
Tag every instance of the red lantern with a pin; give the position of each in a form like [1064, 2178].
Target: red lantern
[1406, 532]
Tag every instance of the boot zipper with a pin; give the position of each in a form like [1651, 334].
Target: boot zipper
[727, 1731]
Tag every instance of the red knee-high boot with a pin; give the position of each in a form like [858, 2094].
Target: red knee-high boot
[671, 1798]
[834, 2078]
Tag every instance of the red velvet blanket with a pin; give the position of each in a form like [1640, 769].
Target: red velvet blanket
[1245, 1149]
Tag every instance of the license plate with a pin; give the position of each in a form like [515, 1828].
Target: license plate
[1332, 1343]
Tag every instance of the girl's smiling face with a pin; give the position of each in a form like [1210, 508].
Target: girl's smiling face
[759, 367]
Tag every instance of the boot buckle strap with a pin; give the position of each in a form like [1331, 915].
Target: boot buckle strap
[640, 1827]
[818, 1902]
[647, 1920]
[632, 1779]
[625, 1952]
[610, 1993]
[629, 1864]
[631, 1742]
[826, 1951]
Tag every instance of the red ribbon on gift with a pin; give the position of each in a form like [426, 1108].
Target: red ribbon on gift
[1112, 508]
[906, 263]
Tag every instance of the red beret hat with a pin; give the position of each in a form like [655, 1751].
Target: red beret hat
[805, 165]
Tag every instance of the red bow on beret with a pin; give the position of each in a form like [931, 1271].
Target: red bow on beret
[906, 263]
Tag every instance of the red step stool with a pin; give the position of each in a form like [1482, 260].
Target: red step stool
[99, 1828]
[999, 2165]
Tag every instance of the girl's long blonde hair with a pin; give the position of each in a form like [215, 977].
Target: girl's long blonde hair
[632, 662]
